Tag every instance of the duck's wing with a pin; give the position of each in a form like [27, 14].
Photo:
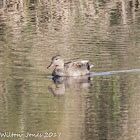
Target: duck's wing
[67, 64]
[83, 63]
[77, 68]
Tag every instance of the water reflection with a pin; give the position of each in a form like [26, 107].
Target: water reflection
[71, 84]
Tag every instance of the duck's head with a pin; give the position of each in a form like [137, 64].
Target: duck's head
[56, 61]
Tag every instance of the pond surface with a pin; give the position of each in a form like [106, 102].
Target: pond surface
[103, 106]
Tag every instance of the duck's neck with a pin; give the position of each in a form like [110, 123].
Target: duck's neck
[60, 66]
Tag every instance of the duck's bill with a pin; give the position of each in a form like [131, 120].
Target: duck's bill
[51, 65]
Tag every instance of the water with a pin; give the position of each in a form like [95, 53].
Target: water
[103, 106]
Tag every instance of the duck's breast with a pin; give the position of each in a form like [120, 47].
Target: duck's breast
[58, 72]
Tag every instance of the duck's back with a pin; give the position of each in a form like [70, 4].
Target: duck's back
[78, 68]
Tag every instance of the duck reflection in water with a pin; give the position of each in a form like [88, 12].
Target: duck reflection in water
[64, 84]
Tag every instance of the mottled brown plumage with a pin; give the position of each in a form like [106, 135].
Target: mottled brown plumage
[78, 68]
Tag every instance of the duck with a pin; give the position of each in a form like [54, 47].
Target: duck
[68, 69]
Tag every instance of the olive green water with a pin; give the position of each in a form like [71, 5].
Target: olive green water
[105, 106]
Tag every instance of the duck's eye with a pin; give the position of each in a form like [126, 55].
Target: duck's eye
[56, 59]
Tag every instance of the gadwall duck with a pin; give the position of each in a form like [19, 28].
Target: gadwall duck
[78, 68]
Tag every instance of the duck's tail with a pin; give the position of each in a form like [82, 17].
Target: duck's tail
[89, 66]
[86, 63]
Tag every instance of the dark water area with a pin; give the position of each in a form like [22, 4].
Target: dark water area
[102, 106]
